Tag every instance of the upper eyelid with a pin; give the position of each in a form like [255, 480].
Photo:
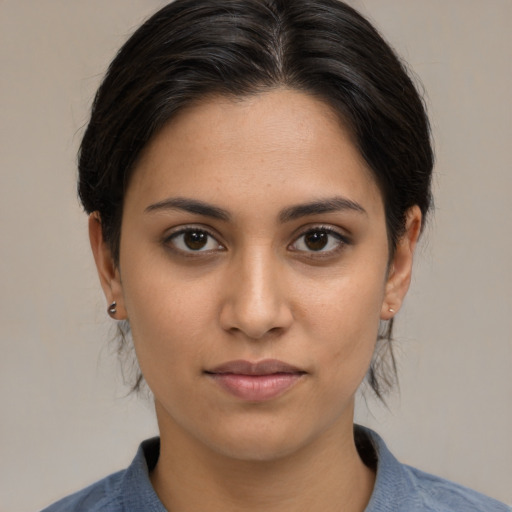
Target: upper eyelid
[179, 230]
[303, 230]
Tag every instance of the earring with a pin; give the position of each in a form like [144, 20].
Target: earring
[391, 310]
[112, 309]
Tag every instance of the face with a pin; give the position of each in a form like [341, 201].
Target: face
[254, 272]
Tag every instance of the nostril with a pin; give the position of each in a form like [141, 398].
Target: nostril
[258, 335]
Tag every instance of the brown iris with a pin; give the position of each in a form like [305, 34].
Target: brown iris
[316, 240]
[195, 240]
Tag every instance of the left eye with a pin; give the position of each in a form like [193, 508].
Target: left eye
[194, 240]
[318, 240]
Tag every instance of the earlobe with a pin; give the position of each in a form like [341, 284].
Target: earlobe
[108, 271]
[400, 268]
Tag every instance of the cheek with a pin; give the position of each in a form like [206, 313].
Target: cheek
[345, 301]
[170, 320]
[344, 321]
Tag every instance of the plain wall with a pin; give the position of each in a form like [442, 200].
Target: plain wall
[65, 420]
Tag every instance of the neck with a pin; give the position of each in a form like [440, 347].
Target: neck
[326, 475]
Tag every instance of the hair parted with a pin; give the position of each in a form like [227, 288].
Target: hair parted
[195, 48]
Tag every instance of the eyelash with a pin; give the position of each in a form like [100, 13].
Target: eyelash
[171, 240]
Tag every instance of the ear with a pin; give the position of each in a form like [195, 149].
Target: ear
[400, 268]
[108, 271]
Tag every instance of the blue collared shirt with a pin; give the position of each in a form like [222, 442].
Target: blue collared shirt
[398, 488]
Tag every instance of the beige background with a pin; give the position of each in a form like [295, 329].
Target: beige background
[64, 419]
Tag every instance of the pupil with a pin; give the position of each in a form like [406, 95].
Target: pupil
[195, 240]
[316, 240]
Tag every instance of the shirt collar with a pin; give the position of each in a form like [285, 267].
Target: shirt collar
[391, 489]
[136, 488]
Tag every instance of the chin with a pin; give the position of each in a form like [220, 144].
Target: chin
[258, 449]
[265, 441]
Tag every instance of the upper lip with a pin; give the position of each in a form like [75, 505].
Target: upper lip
[265, 367]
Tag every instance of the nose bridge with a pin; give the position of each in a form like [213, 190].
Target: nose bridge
[256, 302]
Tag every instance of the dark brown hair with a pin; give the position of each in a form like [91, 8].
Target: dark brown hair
[193, 48]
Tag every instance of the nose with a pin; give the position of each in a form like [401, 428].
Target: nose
[256, 302]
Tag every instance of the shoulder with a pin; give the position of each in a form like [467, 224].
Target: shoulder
[401, 488]
[100, 496]
[123, 491]
[439, 495]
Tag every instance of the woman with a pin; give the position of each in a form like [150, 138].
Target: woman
[257, 175]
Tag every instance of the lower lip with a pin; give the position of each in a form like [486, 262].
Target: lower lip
[256, 388]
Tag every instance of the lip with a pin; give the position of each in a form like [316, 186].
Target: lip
[258, 381]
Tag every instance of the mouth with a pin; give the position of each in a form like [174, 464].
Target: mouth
[256, 382]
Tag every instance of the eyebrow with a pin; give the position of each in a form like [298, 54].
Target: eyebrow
[329, 205]
[333, 204]
[191, 206]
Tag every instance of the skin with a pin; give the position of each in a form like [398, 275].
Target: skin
[259, 289]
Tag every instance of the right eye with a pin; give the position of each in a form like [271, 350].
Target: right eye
[193, 240]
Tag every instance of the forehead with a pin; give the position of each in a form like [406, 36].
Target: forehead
[225, 147]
